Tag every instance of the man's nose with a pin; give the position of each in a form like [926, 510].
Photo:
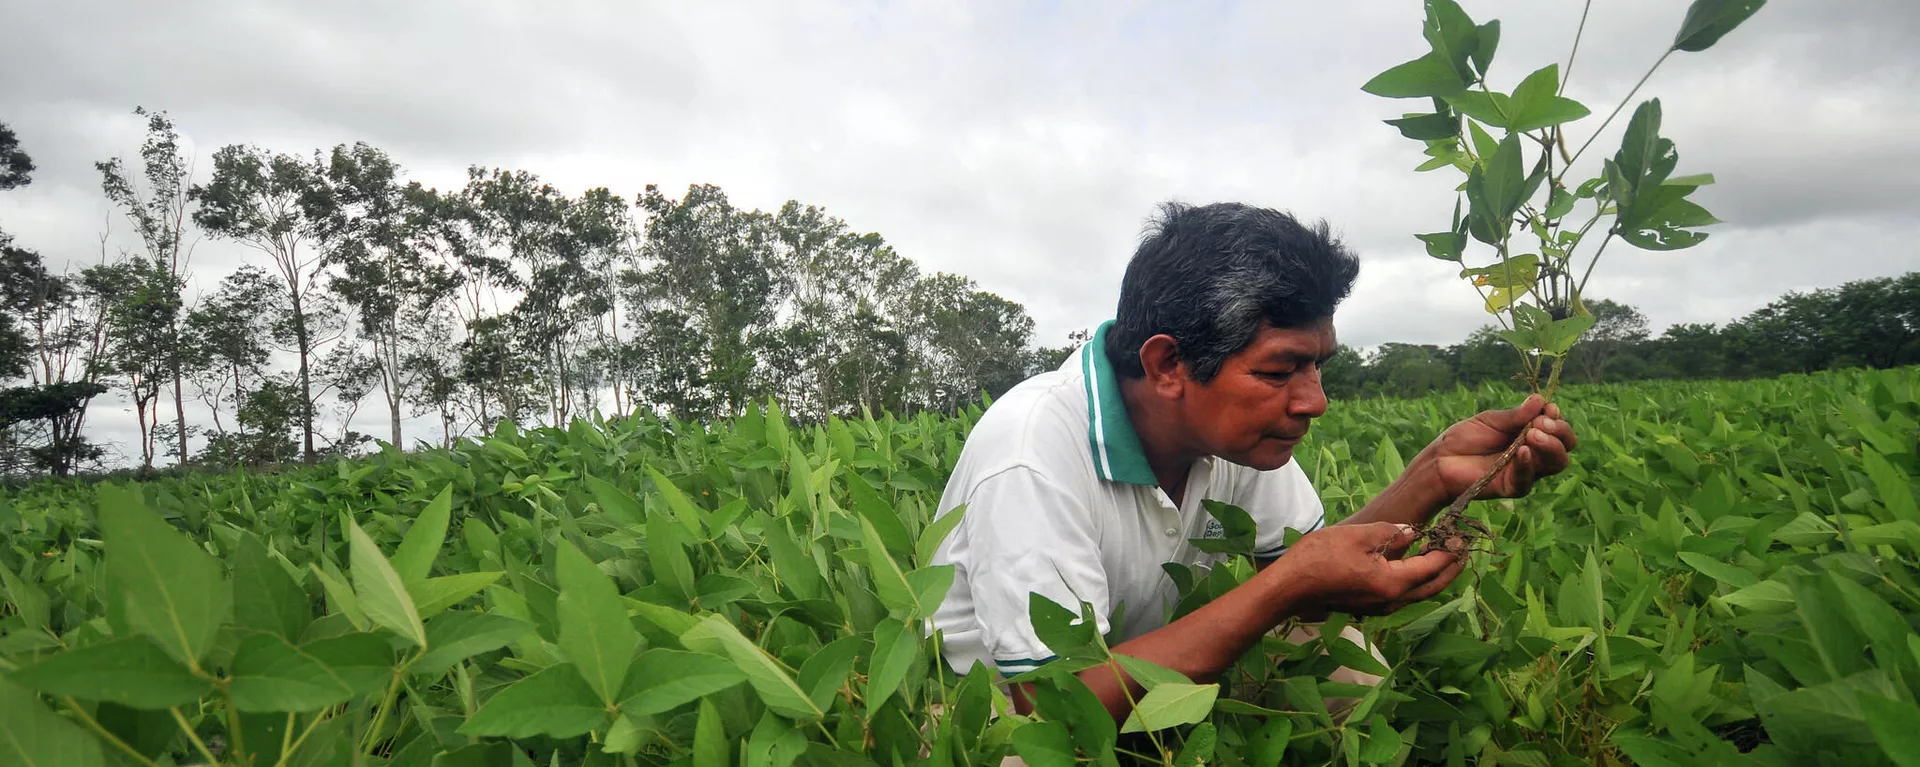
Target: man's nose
[1308, 398]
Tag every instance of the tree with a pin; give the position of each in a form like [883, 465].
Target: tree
[1617, 328]
[376, 232]
[1485, 358]
[159, 215]
[231, 335]
[255, 198]
[965, 342]
[16, 167]
[703, 298]
[1344, 376]
[1410, 370]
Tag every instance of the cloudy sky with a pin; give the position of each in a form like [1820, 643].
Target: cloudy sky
[1021, 144]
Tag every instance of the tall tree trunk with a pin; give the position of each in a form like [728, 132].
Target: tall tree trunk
[301, 339]
[392, 364]
[179, 404]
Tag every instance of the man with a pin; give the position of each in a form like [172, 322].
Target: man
[1079, 483]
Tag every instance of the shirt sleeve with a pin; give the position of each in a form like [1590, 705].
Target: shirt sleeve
[1028, 535]
[1277, 500]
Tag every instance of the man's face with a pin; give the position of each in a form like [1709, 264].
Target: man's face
[1258, 408]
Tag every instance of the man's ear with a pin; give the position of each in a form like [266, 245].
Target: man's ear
[1166, 372]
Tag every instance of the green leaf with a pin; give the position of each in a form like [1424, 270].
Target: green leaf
[1709, 20]
[265, 598]
[1268, 745]
[1451, 34]
[271, 675]
[1429, 75]
[1353, 656]
[457, 636]
[1198, 749]
[1489, 42]
[1383, 742]
[414, 559]
[668, 559]
[1537, 104]
[935, 533]
[32, 736]
[683, 507]
[1559, 203]
[363, 661]
[1488, 107]
[825, 671]
[710, 745]
[1446, 246]
[615, 502]
[340, 595]
[878, 512]
[775, 687]
[1044, 744]
[1515, 273]
[1171, 705]
[1238, 531]
[1561, 334]
[1496, 191]
[1896, 727]
[929, 586]
[895, 647]
[790, 564]
[434, 595]
[1764, 597]
[888, 581]
[1581, 599]
[383, 596]
[1718, 570]
[595, 632]
[555, 702]
[170, 588]
[1148, 673]
[662, 680]
[1427, 127]
[1885, 628]
[132, 671]
[28, 599]
[1064, 632]
[773, 743]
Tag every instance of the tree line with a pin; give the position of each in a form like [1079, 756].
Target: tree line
[502, 300]
[1864, 323]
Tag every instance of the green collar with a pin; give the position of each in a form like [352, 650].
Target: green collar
[1117, 456]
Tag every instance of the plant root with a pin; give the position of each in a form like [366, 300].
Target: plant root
[1454, 531]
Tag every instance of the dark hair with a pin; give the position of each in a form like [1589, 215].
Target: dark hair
[1210, 276]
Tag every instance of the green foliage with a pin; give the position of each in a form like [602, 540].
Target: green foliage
[1513, 184]
[1726, 574]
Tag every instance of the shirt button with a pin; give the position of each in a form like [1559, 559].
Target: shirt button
[1171, 531]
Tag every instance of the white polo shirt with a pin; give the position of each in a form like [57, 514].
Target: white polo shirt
[1060, 501]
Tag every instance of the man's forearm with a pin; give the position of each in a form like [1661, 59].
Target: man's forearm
[1413, 498]
[1202, 644]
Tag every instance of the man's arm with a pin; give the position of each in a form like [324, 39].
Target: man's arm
[1450, 464]
[1347, 568]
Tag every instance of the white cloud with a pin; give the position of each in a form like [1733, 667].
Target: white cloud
[1021, 144]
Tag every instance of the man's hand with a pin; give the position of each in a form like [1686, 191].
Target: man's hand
[1467, 450]
[1357, 569]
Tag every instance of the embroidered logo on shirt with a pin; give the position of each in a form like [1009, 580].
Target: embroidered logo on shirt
[1214, 530]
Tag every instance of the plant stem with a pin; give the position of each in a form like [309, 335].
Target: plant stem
[286, 735]
[93, 724]
[233, 728]
[1567, 74]
[288, 751]
[1616, 110]
[1582, 287]
[380, 714]
[192, 736]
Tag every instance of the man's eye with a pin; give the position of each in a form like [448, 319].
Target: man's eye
[1276, 375]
